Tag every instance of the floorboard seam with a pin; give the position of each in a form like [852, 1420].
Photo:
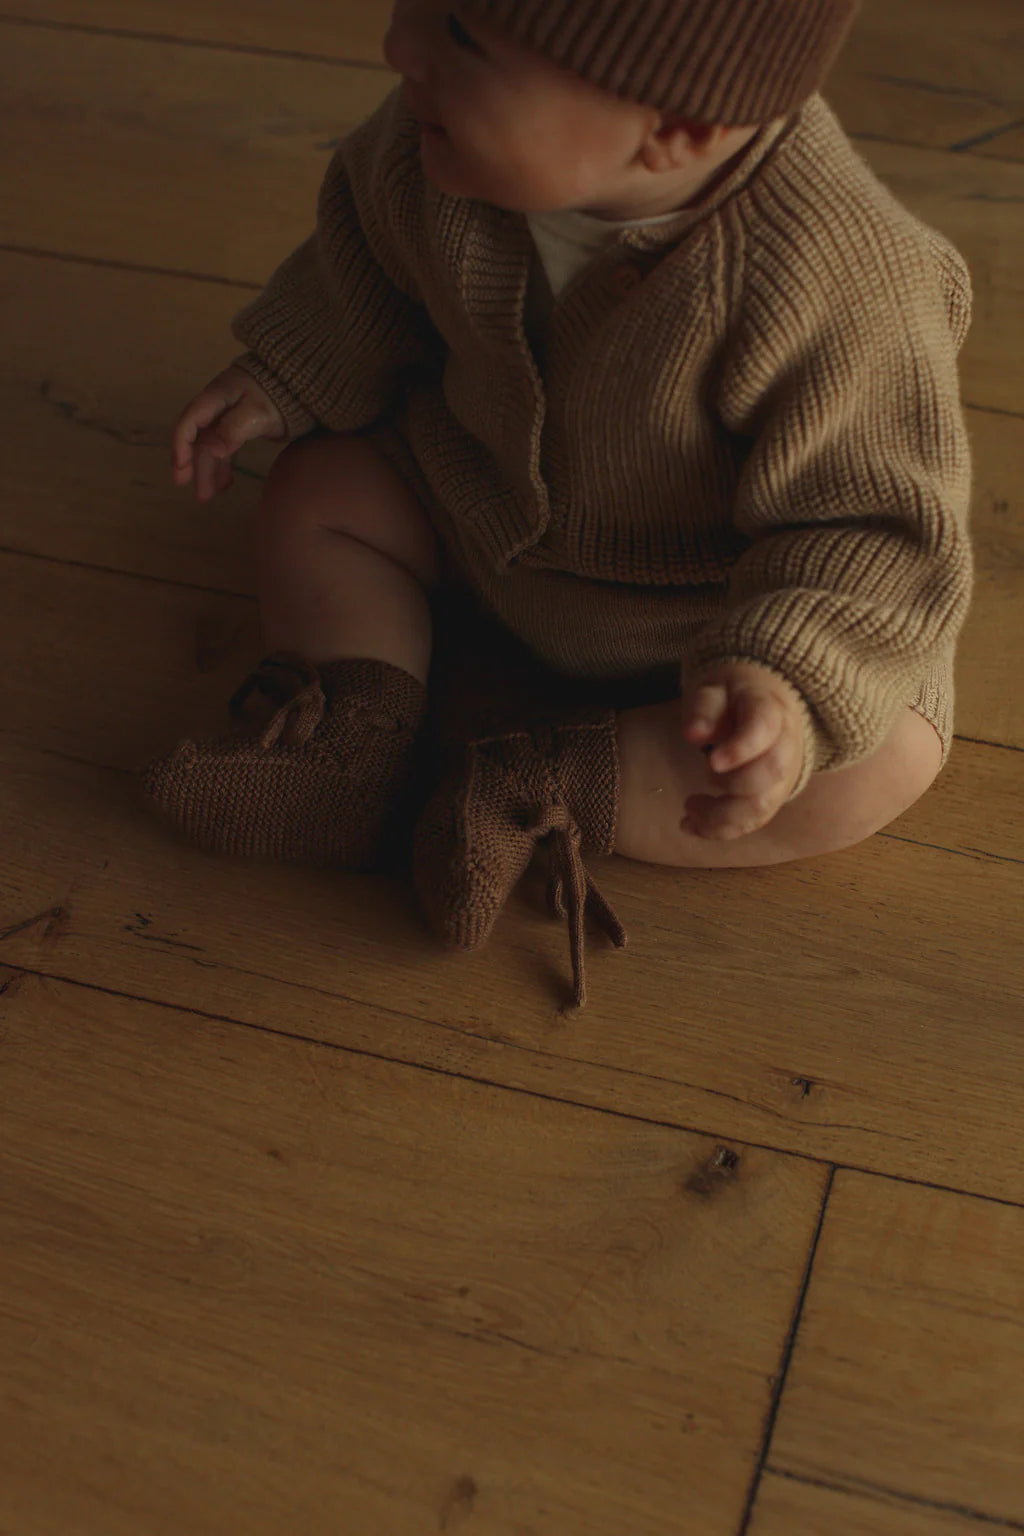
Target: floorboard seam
[932, 88]
[879, 1491]
[332, 60]
[787, 1356]
[633, 1116]
[962, 853]
[993, 410]
[41, 253]
[861, 135]
[963, 146]
[336, 61]
[981, 741]
[113, 570]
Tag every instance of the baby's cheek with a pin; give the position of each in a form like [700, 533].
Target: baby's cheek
[549, 165]
[577, 177]
[526, 179]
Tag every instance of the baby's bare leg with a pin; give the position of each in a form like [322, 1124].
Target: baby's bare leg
[321, 770]
[659, 771]
[345, 556]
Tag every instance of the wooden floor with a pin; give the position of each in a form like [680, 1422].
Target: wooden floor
[308, 1228]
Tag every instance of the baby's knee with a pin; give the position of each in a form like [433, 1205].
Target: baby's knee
[319, 468]
[914, 753]
[338, 483]
[837, 810]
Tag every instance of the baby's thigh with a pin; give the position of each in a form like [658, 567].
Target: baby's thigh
[839, 809]
[343, 484]
[835, 810]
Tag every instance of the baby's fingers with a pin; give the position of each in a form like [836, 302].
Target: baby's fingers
[766, 776]
[239, 425]
[212, 471]
[728, 816]
[704, 712]
[183, 453]
[753, 794]
[216, 446]
[203, 410]
[756, 722]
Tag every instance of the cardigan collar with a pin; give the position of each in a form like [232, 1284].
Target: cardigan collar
[666, 232]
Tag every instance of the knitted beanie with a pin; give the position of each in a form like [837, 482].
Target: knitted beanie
[739, 62]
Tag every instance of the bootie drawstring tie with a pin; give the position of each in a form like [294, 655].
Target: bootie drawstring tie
[572, 894]
[287, 686]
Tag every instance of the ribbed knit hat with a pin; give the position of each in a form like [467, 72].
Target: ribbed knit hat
[711, 61]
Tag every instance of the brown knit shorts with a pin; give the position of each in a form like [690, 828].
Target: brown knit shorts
[483, 629]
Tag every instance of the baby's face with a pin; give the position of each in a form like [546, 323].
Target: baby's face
[502, 124]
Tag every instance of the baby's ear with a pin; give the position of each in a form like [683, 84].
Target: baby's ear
[672, 142]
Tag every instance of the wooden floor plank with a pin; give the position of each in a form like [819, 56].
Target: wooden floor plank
[990, 699]
[1008, 145]
[250, 1284]
[278, 1248]
[908, 1372]
[928, 72]
[980, 207]
[218, 156]
[196, 159]
[980, 792]
[99, 364]
[864, 1009]
[788, 1507]
[344, 30]
[935, 73]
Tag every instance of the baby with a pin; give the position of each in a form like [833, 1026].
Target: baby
[604, 323]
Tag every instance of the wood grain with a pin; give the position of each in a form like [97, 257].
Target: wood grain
[252, 1284]
[937, 73]
[921, 1388]
[341, 30]
[980, 207]
[865, 1009]
[209, 162]
[195, 159]
[930, 72]
[787, 1507]
[309, 1226]
[99, 364]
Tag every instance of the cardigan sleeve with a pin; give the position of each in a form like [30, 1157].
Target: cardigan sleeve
[341, 320]
[853, 494]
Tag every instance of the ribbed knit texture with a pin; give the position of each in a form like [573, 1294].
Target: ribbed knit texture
[478, 833]
[746, 439]
[313, 772]
[712, 61]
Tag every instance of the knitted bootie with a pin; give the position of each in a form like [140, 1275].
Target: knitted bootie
[478, 833]
[314, 771]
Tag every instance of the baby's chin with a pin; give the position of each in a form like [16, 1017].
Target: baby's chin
[443, 170]
[441, 163]
[447, 169]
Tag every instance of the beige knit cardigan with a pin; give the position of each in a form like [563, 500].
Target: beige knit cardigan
[736, 435]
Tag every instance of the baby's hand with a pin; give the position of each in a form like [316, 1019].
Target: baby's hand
[231, 410]
[751, 723]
